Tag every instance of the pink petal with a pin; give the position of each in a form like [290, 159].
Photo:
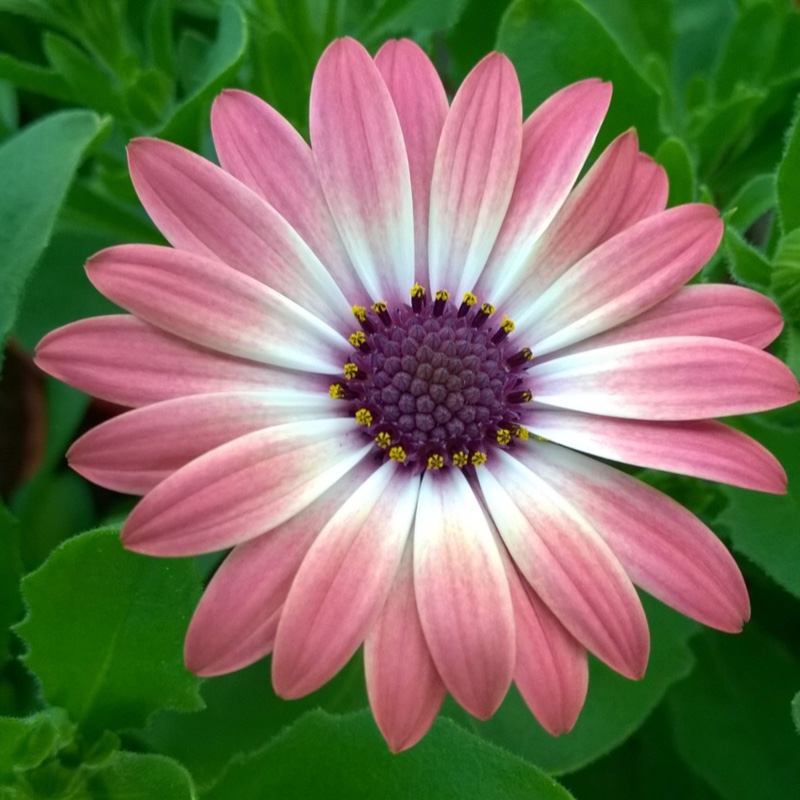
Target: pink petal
[126, 361]
[556, 141]
[701, 448]
[237, 617]
[215, 306]
[363, 168]
[677, 378]
[120, 454]
[405, 690]
[462, 594]
[647, 194]
[719, 310]
[262, 150]
[567, 564]
[622, 277]
[552, 670]
[665, 549]
[343, 582]
[421, 105]
[202, 209]
[473, 177]
[243, 488]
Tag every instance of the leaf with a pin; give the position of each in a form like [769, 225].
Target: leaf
[764, 527]
[104, 632]
[786, 277]
[139, 776]
[615, 707]
[10, 575]
[393, 17]
[223, 58]
[34, 78]
[789, 177]
[751, 202]
[533, 34]
[747, 265]
[731, 716]
[37, 166]
[796, 711]
[674, 157]
[701, 27]
[27, 742]
[322, 755]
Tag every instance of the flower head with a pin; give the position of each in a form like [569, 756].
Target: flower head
[369, 367]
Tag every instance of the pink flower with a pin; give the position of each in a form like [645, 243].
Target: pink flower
[402, 471]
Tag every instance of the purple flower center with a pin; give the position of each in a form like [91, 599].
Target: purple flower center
[433, 385]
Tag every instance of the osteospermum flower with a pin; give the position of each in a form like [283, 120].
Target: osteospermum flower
[368, 367]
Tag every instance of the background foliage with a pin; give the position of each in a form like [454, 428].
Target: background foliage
[94, 700]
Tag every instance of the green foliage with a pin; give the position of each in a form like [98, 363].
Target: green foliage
[10, 574]
[789, 178]
[323, 755]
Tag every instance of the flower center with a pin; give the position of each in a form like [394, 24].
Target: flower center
[435, 385]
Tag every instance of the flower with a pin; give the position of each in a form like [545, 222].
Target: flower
[368, 367]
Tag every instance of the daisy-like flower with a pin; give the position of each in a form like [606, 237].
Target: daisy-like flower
[368, 367]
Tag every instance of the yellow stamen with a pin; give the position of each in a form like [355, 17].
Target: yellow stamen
[460, 459]
[363, 417]
[383, 440]
[336, 391]
[417, 290]
[350, 371]
[478, 458]
[522, 433]
[503, 436]
[487, 308]
[358, 338]
[507, 324]
[397, 454]
[435, 461]
[360, 313]
[442, 294]
[469, 299]
[379, 307]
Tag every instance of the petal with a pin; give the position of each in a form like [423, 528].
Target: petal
[677, 378]
[363, 168]
[473, 177]
[262, 150]
[243, 488]
[719, 310]
[237, 617]
[421, 105]
[556, 141]
[665, 549]
[122, 454]
[202, 209]
[404, 688]
[343, 582]
[552, 670]
[702, 448]
[213, 305]
[647, 194]
[622, 277]
[582, 222]
[126, 361]
[462, 594]
[567, 564]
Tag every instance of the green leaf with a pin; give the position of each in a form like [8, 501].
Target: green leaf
[673, 155]
[533, 34]
[615, 707]
[747, 265]
[789, 177]
[104, 632]
[731, 716]
[37, 166]
[220, 65]
[10, 575]
[764, 527]
[34, 78]
[751, 202]
[786, 276]
[701, 27]
[27, 742]
[796, 711]
[345, 757]
[139, 776]
[393, 17]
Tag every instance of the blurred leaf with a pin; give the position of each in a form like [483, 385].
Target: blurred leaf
[615, 707]
[9, 109]
[533, 34]
[26, 742]
[139, 776]
[241, 713]
[764, 527]
[104, 632]
[731, 716]
[747, 265]
[796, 711]
[393, 17]
[674, 157]
[474, 35]
[345, 757]
[159, 36]
[37, 166]
[749, 50]
[216, 72]
[10, 575]
[751, 202]
[701, 27]
[789, 177]
[786, 277]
